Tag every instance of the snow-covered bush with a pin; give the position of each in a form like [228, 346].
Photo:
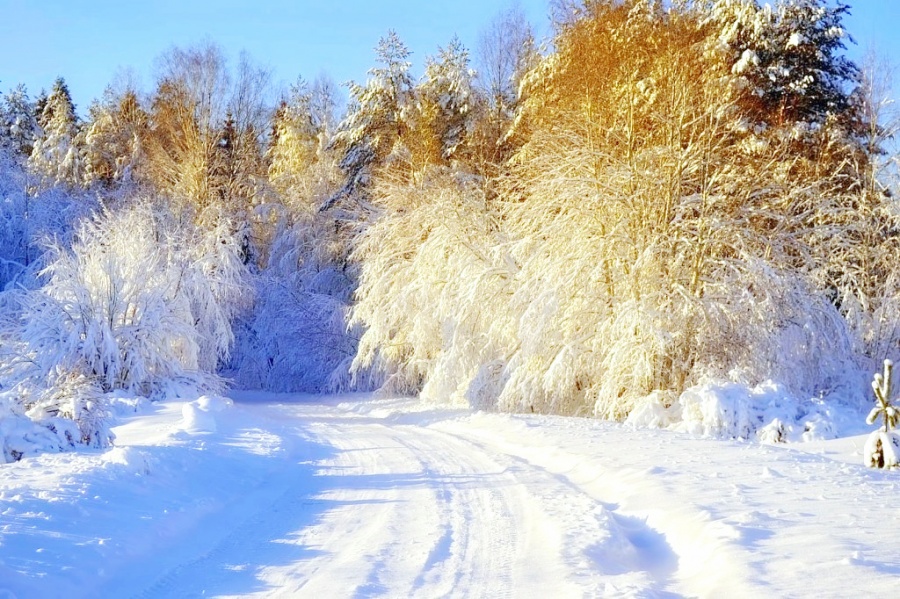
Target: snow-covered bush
[433, 291]
[768, 412]
[72, 406]
[882, 448]
[199, 416]
[296, 337]
[140, 302]
[137, 302]
[20, 436]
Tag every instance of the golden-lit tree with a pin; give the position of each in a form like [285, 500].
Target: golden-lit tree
[655, 226]
[204, 145]
[114, 139]
[443, 112]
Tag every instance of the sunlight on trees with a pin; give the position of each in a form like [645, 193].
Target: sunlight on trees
[665, 195]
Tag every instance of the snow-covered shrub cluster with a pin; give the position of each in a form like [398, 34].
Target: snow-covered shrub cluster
[135, 303]
[767, 412]
[140, 302]
[660, 237]
[296, 337]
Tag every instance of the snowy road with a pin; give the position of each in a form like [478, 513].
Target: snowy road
[354, 497]
[401, 509]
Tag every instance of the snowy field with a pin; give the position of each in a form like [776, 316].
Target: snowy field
[298, 496]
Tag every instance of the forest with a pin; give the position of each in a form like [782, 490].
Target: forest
[665, 195]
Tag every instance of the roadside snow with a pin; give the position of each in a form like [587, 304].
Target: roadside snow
[278, 495]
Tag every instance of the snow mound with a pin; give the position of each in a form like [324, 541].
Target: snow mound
[200, 416]
[126, 459]
[882, 450]
[767, 412]
[21, 437]
[125, 404]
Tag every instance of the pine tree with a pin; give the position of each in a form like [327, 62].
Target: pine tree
[445, 106]
[882, 449]
[378, 116]
[788, 57]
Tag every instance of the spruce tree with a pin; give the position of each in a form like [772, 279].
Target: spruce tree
[55, 157]
[789, 55]
[18, 125]
[445, 104]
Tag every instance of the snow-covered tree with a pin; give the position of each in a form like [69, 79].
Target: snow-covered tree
[236, 168]
[377, 118]
[295, 141]
[55, 157]
[882, 448]
[787, 57]
[443, 119]
[18, 125]
[114, 137]
[296, 337]
[433, 292]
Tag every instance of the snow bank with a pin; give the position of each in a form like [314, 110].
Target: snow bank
[200, 416]
[765, 412]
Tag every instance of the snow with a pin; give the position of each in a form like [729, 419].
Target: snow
[338, 496]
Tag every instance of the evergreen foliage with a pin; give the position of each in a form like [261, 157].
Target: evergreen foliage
[377, 119]
[55, 157]
[883, 408]
[882, 448]
[18, 125]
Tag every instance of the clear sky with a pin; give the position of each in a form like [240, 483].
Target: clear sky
[89, 41]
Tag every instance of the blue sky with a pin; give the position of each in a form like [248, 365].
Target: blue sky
[88, 42]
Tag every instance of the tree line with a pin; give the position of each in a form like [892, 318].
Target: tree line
[666, 193]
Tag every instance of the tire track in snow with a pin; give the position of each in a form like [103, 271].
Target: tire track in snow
[509, 527]
[404, 510]
[475, 552]
[593, 550]
[684, 546]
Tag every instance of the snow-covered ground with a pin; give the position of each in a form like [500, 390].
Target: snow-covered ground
[353, 496]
